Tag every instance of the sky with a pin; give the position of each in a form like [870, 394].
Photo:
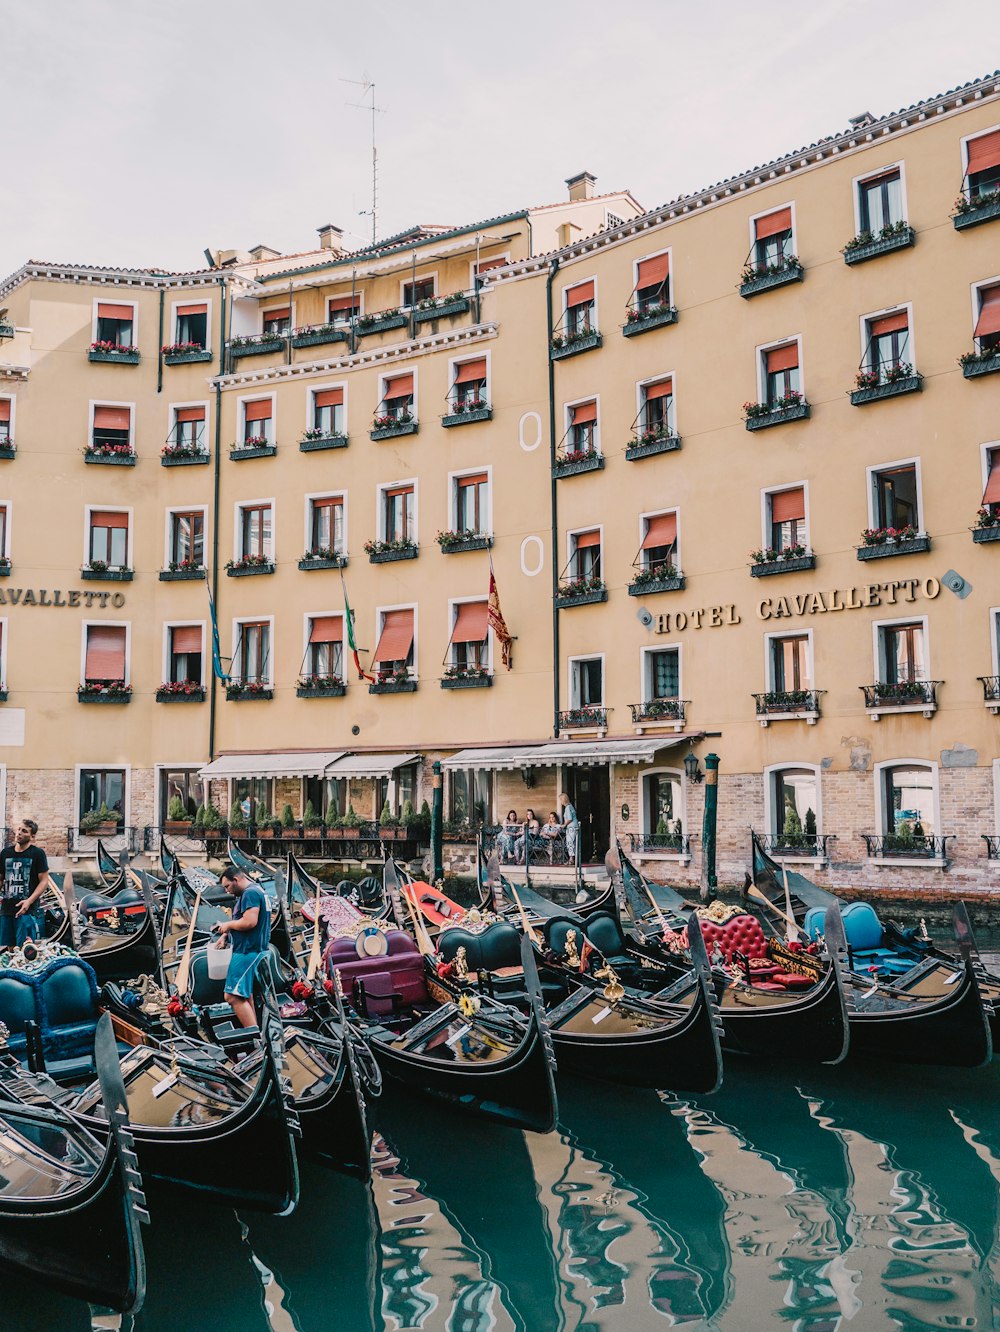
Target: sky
[138, 134]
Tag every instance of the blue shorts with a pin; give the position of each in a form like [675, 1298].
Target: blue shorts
[239, 977]
[18, 929]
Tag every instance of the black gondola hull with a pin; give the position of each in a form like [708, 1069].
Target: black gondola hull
[333, 1114]
[809, 1027]
[952, 1031]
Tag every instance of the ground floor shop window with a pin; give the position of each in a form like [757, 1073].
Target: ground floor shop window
[103, 788]
[470, 795]
[182, 784]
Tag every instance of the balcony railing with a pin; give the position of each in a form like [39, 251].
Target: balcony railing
[907, 846]
[116, 838]
[802, 704]
[677, 844]
[903, 696]
[992, 846]
[659, 711]
[587, 718]
[811, 846]
[535, 849]
[363, 841]
[991, 691]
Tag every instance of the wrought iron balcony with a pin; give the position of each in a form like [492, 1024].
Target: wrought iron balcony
[991, 691]
[659, 712]
[907, 846]
[590, 718]
[677, 844]
[992, 846]
[902, 696]
[788, 705]
[811, 846]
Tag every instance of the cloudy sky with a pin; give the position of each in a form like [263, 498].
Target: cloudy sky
[140, 133]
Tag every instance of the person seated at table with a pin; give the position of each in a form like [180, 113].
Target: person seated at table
[551, 832]
[507, 837]
[529, 829]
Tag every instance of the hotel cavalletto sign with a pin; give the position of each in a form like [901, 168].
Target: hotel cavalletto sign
[898, 592]
[74, 597]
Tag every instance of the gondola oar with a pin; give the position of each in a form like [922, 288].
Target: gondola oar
[526, 925]
[754, 892]
[184, 969]
[315, 952]
[793, 931]
[422, 937]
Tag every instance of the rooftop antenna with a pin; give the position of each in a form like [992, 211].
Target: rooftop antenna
[367, 86]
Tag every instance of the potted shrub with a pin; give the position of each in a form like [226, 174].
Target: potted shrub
[410, 820]
[288, 826]
[237, 819]
[352, 823]
[312, 824]
[334, 822]
[100, 822]
[262, 818]
[388, 827]
[178, 819]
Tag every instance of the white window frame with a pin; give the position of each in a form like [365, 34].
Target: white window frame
[769, 805]
[975, 288]
[241, 414]
[168, 514]
[752, 234]
[88, 510]
[991, 446]
[872, 472]
[8, 545]
[193, 299]
[572, 692]
[404, 282]
[595, 318]
[158, 768]
[454, 362]
[12, 424]
[453, 479]
[237, 625]
[106, 624]
[308, 499]
[640, 396]
[384, 378]
[115, 299]
[866, 320]
[359, 296]
[769, 638]
[646, 831]
[325, 388]
[380, 494]
[595, 398]
[994, 614]
[878, 645]
[484, 277]
[238, 507]
[270, 309]
[174, 407]
[571, 546]
[80, 768]
[766, 496]
[668, 250]
[380, 614]
[165, 649]
[307, 619]
[965, 141]
[453, 605]
[105, 402]
[761, 355]
[880, 811]
[646, 668]
[865, 177]
[661, 513]
[4, 631]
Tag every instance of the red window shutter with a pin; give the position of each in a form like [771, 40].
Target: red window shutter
[258, 411]
[190, 413]
[581, 295]
[663, 388]
[326, 629]
[398, 490]
[653, 272]
[989, 311]
[279, 313]
[112, 418]
[584, 413]
[396, 637]
[470, 372]
[773, 224]
[891, 174]
[330, 398]
[783, 358]
[894, 323]
[661, 530]
[486, 265]
[398, 386]
[992, 493]
[585, 539]
[984, 152]
[101, 518]
[186, 638]
[105, 311]
[192, 310]
[478, 479]
[471, 622]
[105, 653]
[342, 304]
[4, 409]
[787, 505]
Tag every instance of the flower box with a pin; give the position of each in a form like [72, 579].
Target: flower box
[975, 364]
[641, 323]
[908, 696]
[590, 462]
[181, 575]
[6, 330]
[309, 562]
[256, 346]
[574, 345]
[381, 324]
[394, 430]
[971, 213]
[240, 570]
[192, 357]
[127, 356]
[392, 685]
[319, 336]
[907, 384]
[5, 567]
[237, 453]
[566, 599]
[645, 587]
[195, 694]
[7, 452]
[240, 693]
[323, 442]
[753, 283]
[765, 568]
[189, 458]
[467, 417]
[453, 305]
[982, 535]
[456, 545]
[325, 689]
[886, 549]
[109, 458]
[788, 705]
[796, 411]
[639, 448]
[179, 827]
[897, 239]
[109, 694]
[93, 574]
[668, 711]
[391, 554]
[467, 682]
[589, 718]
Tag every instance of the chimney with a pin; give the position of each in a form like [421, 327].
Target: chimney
[581, 186]
[863, 121]
[263, 252]
[331, 238]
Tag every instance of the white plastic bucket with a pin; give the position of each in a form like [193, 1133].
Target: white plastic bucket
[218, 962]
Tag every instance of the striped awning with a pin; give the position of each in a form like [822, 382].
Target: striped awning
[571, 753]
[310, 763]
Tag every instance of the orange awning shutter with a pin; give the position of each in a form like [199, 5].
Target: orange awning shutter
[989, 312]
[327, 629]
[192, 310]
[584, 413]
[984, 152]
[105, 653]
[471, 622]
[186, 638]
[476, 479]
[663, 388]
[783, 358]
[773, 224]
[992, 493]
[342, 304]
[581, 295]
[787, 505]
[190, 413]
[102, 518]
[470, 372]
[112, 418]
[281, 312]
[4, 409]
[653, 272]
[105, 311]
[396, 637]
[661, 530]
[399, 386]
[585, 539]
[330, 398]
[894, 323]
[258, 411]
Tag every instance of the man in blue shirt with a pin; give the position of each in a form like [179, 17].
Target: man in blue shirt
[249, 935]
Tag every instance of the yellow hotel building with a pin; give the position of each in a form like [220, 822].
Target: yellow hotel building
[734, 461]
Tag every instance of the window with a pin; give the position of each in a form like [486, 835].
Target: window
[907, 800]
[344, 309]
[192, 325]
[6, 424]
[896, 497]
[105, 654]
[326, 524]
[184, 649]
[103, 787]
[902, 651]
[787, 519]
[397, 398]
[115, 324]
[888, 348]
[781, 374]
[325, 649]
[656, 407]
[987, 332]
[328, 411]
[659, 542]
[652, 284]
[188, 430]
[255, 794]
[662, 809]
[394, 651]
[794, 803]
[470, 795]
[772, 246]
[186, 537]
[583, 437]
[880, 201]
[469, 390]
[991, 495]
[324, 794]
[183, 784]
[4, 531]
[258, 426]
[108, 539]
[789, 664]
[252, 655]
[580, 309]
[585, 555]
[469, 642]
[662, 675]
[982, 174]
[421, 289]
[487, 266]
[587, 682]
[112, 426]
[255, 531]
[471, 495]
[277, 322]
[399, 514]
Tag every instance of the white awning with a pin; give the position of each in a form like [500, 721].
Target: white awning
[370, 765]
[573, 753]
[524, 756]
[311, 763]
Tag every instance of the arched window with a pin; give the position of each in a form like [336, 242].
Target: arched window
[908, 800]
[663, 811]
[794, 808]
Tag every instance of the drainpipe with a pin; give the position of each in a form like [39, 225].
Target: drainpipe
[212, 698]
[159, 349]
[553, 497]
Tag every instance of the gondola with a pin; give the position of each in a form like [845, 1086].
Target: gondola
[116, 940]
[930, 1014]
[108, 866]
[366, 894]
[71, 1201]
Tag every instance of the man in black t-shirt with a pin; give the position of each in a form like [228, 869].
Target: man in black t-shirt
[24, 876]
